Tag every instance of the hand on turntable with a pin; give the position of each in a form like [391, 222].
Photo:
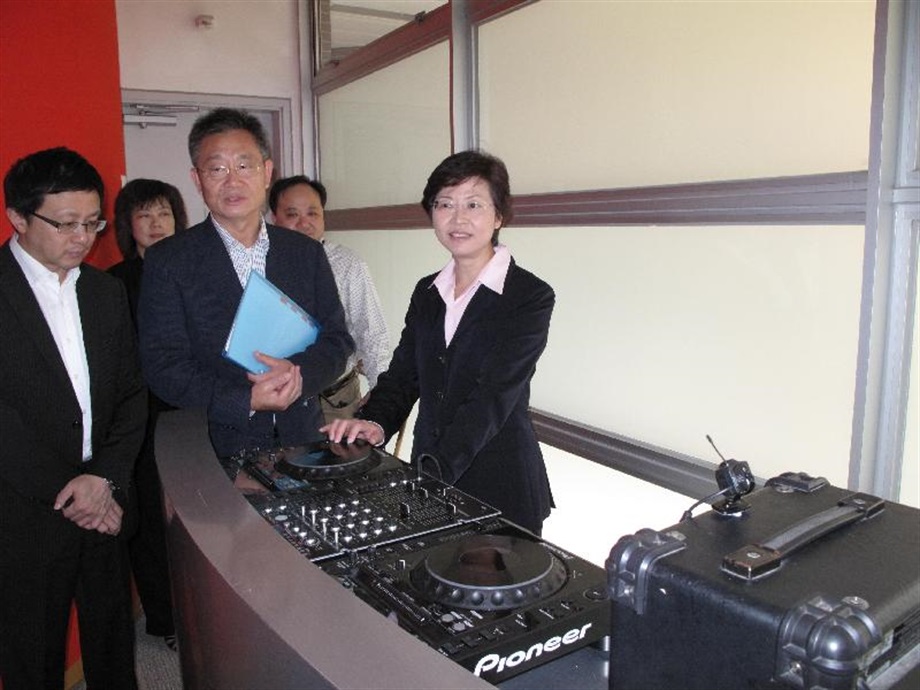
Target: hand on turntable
[349, 430]
[278, 388]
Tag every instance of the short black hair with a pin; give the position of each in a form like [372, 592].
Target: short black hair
[286, 183]
[223, 120]
[141, 193]
[50, 171]
[460, 167]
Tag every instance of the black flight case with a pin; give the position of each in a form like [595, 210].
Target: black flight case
[812, 586]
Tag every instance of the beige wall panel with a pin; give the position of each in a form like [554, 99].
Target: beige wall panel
[668, 334]
[380, 136]
[585, 95]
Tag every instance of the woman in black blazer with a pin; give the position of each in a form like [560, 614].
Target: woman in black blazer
[147, 211]
[470, 345]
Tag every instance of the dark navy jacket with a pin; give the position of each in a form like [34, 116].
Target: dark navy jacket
[189, 296]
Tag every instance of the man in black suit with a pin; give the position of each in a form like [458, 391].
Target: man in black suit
[192, 286]
[72, 412]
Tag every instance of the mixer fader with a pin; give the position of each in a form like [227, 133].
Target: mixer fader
[388, 503]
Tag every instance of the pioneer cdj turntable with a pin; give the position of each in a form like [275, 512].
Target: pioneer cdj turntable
[482, 591]
[489, 595]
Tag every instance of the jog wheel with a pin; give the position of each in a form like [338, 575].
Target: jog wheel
[489, 572]
[325, 460]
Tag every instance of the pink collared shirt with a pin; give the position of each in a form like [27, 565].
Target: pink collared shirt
[491, 276]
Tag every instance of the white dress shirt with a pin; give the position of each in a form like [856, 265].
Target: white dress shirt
[58, 302]
[363, 315]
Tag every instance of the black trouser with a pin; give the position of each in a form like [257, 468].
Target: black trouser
[147, 547]
[46, 564]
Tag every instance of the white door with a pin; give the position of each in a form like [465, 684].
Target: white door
[156, 129]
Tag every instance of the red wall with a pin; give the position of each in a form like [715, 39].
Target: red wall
[59, 86]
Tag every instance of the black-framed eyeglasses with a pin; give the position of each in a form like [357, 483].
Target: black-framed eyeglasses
[70, 227]
[221, 172]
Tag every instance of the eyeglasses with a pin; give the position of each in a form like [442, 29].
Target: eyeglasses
[71, 227]
[472, 207]
[222, 172]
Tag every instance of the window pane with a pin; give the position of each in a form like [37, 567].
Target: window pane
[624, 94]
[380, 136]
[345, 25]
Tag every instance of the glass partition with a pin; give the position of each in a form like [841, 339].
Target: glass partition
[346, 25]
[590, 95]
[380, 135]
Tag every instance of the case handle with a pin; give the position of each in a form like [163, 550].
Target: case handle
[757, 560]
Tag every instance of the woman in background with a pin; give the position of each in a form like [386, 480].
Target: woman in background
[472, 337]
[146, 211]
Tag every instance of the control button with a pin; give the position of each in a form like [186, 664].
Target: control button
[596, 593]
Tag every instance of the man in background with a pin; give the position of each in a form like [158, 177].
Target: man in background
[299, 203]
[73, 409]
[192, 286]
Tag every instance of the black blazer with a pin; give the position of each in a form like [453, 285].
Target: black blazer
[474, 395]
[41, 433]
[189, 296]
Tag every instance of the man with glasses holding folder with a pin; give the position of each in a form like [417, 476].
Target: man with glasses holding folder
[73, 408]
[194, 281]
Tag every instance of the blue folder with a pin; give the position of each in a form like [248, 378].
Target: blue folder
[269, 321]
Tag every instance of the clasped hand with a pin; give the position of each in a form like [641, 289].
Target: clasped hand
[276, 389]
[87, 501]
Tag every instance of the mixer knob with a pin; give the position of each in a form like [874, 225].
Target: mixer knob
[424, 493]
[404, 510]
[335, 535]
[313, 516]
